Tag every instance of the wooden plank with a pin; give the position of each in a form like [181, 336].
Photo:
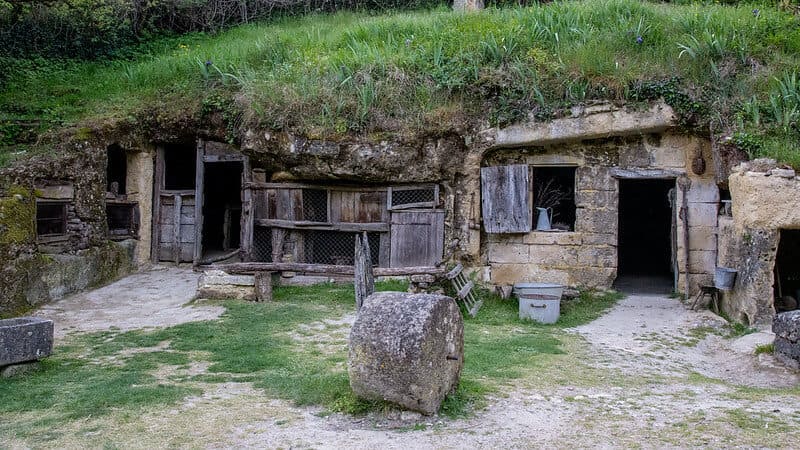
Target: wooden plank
[248, 268]
[466, 289]
[176, 231]
[417, 238]
[246, 219]
[364, 278]
[454, 272]
[302, 225]
[384, 253]
[158, 185]
[369, 207]
[198, 204]
[258, 185]
[221, 158]
[505, 192]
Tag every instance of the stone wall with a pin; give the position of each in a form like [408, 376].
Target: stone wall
[36, 269]
[587, 256]
[766, 199]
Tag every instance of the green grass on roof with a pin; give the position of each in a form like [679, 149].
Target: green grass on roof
[354, 73]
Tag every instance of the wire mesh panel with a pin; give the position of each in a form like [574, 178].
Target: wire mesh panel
[413, 196]
[337, 247]
[262, 244]
[315, 205]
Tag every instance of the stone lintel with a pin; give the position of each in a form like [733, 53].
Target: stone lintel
[600, 125]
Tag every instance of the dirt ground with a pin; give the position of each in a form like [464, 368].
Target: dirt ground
[649, 373]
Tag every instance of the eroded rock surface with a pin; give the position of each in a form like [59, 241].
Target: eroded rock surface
[407, 349]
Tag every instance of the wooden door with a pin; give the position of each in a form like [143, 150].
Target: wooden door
[417, 238]
[176, 227]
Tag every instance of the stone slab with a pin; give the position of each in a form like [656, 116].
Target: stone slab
[25, 339]
[509, 253]
[553, 238]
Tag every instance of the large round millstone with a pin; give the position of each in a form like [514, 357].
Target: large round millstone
[407, 349]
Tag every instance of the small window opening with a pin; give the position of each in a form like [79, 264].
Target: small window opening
[179, 167]
[51, 219]
[787, 271]
[122, 220]
[413, 197]
[116, 170]
[315, 205]
[554, 187]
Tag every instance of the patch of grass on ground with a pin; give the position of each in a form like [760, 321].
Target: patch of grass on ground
[765, 348]
[94, 374]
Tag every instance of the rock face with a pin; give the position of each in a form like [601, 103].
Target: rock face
[786, 327]
[25, 339]
[407, 349]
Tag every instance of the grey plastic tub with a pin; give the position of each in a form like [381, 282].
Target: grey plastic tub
[540, 308]
[539, 289]
[724, 277]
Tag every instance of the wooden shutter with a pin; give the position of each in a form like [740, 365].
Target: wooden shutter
[417, 238]
[505, 199]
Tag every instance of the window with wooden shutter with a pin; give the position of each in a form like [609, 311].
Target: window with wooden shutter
[505, 199]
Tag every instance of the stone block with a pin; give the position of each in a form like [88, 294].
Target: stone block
[703, 214]
[407, 349]
[702, 238]
[554, 159]
[596, 199]
[787, 325]
[517, 273]
[634, 156]
[219, 277]
[702, 261]
[59, 192]
[552, 238]
[508, 253]
[25, 339]
[667, 157]
[703, 191]
[226, 292]
[787, 352]
[593, 277]
[554, 255]
[600, 239]
[594, 178]
[598, 256]
[596, 220]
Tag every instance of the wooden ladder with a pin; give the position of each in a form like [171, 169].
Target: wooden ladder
[464, 290]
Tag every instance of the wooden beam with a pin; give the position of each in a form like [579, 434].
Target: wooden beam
[176, 230]
[249, 268]
[305, 225]
[255, 185]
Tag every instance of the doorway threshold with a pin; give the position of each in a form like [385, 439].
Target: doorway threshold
[644, 284]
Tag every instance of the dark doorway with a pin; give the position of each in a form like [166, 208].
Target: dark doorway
[116, 170]
[222, 208]
[179, 167]
[787, 271]
[645, 236]
[554, 187]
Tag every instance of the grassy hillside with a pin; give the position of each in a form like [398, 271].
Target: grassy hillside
[735, 66]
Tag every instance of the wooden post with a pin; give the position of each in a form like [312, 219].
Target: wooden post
[364, 278]
[263, 282]
[176, 230]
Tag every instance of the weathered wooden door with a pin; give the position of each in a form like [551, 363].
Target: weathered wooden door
[505, 192]
[417, 238]
[176, 227]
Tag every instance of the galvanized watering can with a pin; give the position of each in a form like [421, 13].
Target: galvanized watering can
[543, 223]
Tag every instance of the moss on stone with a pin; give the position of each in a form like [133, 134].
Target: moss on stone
[17, 216]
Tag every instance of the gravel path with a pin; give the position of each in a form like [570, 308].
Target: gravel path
[649, 373]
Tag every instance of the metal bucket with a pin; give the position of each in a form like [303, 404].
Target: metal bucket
[724, 277]
[538, 289]
[540, 308]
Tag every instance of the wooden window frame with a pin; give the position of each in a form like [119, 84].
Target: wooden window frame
[52, 237]
[432, 204]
